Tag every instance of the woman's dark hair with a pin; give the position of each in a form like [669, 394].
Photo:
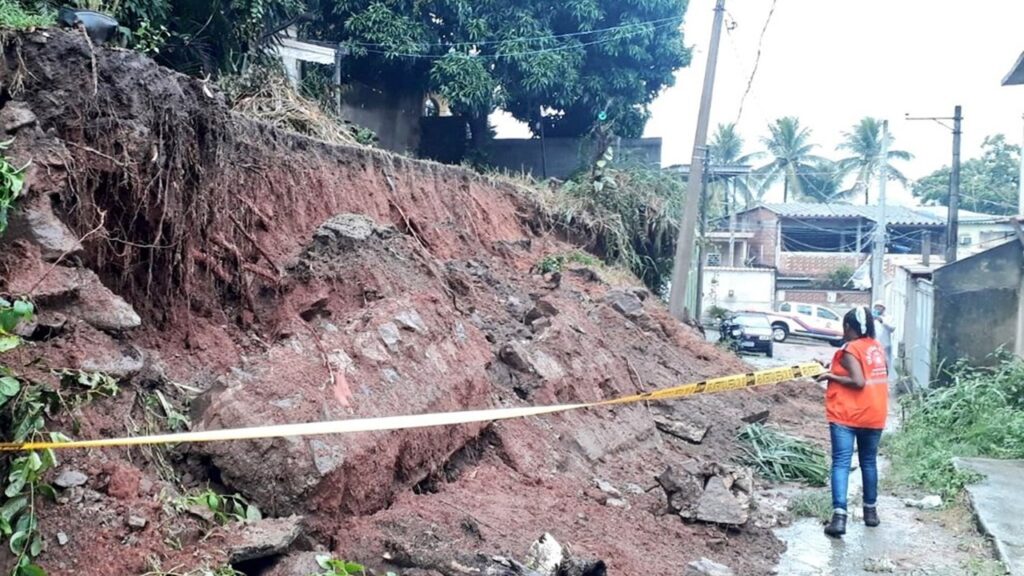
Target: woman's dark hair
[862, 329]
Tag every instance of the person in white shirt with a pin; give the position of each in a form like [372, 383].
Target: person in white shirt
[883, 333]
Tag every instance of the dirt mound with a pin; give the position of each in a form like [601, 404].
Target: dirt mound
[279, 279]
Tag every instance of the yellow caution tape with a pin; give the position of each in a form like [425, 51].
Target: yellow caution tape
[725, 383]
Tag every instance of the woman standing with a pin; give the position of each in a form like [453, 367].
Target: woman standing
[856, 404]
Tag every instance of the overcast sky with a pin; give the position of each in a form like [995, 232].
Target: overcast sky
[832, 62]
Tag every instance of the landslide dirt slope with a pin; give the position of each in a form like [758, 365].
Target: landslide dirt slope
[290, 281]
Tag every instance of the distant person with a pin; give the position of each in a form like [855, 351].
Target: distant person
[884, 330]
[856, 405]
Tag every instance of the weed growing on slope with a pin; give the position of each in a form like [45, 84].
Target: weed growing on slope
[980, 414]
[780, 457]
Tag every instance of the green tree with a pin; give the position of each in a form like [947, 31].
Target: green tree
[574, 60]
[788, 145]
[989, 184]
[820, 180]
[864, 144]
[726, 149]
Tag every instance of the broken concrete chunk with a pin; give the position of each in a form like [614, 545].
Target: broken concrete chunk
[264, 538]
[16, 115]
[545, 555]
[705, 567]
[136, 522]
[625, 303]
[718, 505]
[688, 431]
[410, 320]
[70, 478]
[932, 502]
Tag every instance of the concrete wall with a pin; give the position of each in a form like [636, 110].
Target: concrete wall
[738, 288]
[837, 299]
[764, 224]
[564, 156]
[978, 306]
[983, 236]
[395, 118]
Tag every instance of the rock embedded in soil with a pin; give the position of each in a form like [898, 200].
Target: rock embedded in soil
[706, 567]
[545, 555]
[35, 222]
[709, 492]
[625, 303]
[693, 433]
[263, 538]
[542, 308]
[70, 479]
[16, 115]
[136, 522]
[62, 539]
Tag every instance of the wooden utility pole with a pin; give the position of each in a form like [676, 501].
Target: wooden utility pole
[685, 242]
[953, 226]
[878, 252]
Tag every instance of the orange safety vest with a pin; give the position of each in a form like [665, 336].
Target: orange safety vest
[868, 406]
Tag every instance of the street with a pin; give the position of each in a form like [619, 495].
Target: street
[793, 351]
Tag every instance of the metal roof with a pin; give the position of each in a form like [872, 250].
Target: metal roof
[962, 215]
[1016, 74]
[894, 215]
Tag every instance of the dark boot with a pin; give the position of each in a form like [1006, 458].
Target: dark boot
[837, 527]
[871, 516]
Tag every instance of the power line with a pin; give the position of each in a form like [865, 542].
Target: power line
[757, 59]
[567, 46]
[528, 38]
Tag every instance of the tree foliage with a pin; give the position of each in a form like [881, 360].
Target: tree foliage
[864, 144]
[989, 184]
[789, 146]
[574, 60]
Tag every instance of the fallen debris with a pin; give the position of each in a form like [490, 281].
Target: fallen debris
[709, 492]
[705, 567]
[693, 433]
[931, 502]
[264, 538]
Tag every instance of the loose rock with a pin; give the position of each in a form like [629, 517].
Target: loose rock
[705, 567]
[16, 115]
[270, 537]
[709, 492]
[625, 303]
[545, 555]
[136, 522]
[607, 488]
[62, 539]
[70, 479]
[690, 432]
[543, 308]
[411, 320]
[389, 335]
[515, 355]
[931, 502]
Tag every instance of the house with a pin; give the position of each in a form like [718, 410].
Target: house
[977, 232]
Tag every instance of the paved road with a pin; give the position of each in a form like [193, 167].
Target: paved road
[792, 351]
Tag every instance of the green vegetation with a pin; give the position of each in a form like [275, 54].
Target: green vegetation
[12, 181]
[718, 313]
[988, 184]
[864, 144]
[980, 414]
[815, 504]
[556, 262]
[782, 458]
[225, 507]
[17, 15]
[630, 216]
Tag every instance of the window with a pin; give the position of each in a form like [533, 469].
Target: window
[714, 259]
[827, 314]
[804, 309]
[785, 308]
[751, 321]
[965, 240]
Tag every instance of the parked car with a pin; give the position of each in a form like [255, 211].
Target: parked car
[808, 320]
[747, 331]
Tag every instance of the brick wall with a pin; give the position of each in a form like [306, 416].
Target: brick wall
[844, 298]
[764, 224]
[816, 264]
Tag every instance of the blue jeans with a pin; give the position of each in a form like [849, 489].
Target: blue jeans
[842, 455]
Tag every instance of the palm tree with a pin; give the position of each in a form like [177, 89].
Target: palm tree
[726, 149]
[789, 146]
[821, 183]
[864, 143]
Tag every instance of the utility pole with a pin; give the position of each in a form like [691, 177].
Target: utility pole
[953, 227]
[952, 222]
[878, 252]
[685, 242]
[701, 249]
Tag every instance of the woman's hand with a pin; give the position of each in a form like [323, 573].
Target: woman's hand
[824, 377]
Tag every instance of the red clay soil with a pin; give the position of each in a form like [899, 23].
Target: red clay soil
[206, 223]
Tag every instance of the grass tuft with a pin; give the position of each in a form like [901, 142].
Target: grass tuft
[980, 414]
[14, 15]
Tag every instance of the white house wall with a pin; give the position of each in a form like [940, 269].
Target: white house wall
[739, 288]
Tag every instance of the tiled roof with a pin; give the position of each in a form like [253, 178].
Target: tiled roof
[894, 215]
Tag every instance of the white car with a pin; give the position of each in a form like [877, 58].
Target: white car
[808, 320]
